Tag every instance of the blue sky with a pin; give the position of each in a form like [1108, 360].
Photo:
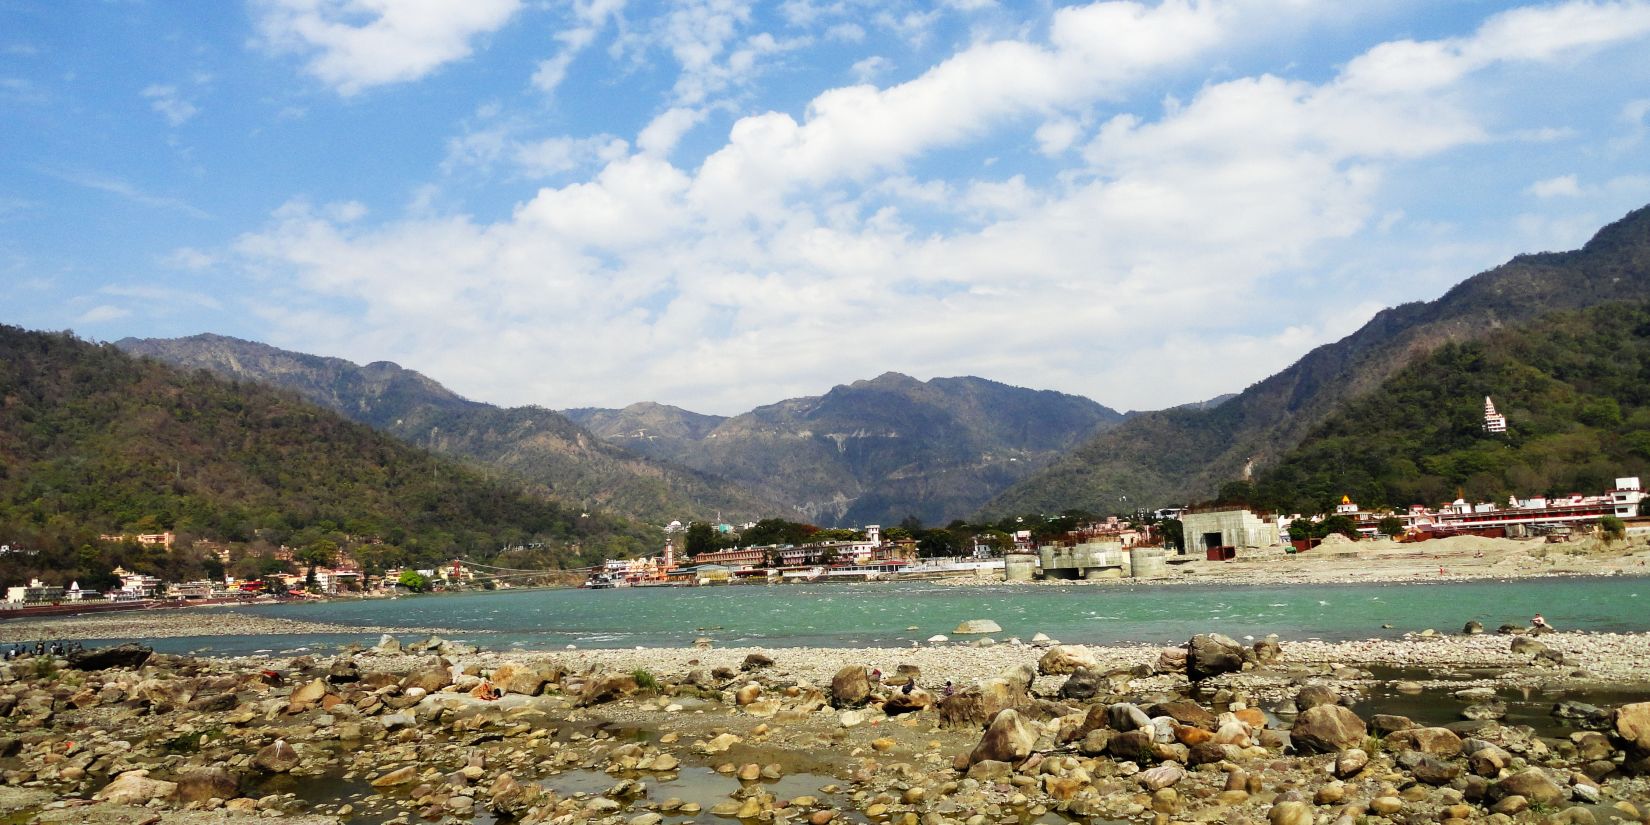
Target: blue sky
[718, 204]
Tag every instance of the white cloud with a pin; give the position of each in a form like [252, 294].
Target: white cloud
[1056, 136]
[166, 100]
[189, 258]
[123, 189]
[1562, 186]
[846, 33]
[355, 45]
[867, 70]
[103, 313]
[661, 135]
[813, 248]
[164, 299]
[502, 147]
[590, 16]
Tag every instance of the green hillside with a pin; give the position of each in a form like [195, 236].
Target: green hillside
[1172, 456]
[1575, 387]
[93, 440]
[537, 446]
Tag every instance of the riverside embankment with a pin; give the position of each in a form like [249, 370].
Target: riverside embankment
[1282, 731]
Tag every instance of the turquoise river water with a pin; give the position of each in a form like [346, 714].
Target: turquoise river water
[881, 614]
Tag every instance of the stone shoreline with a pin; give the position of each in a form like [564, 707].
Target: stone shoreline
[179, 622]
[1270, 732]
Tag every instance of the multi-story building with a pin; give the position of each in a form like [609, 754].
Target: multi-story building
[35, 592]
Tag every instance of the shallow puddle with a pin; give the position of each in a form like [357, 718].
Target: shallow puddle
[1437, 705]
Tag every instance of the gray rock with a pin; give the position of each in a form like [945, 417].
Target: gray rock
[1211, 654]
[1124, 716]
[130, 655]
[1328, 729]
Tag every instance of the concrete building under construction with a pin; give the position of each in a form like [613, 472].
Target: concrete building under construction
[1236, 529]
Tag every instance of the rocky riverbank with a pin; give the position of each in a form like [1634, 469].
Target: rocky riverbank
[172, 623]
[1342, 561]
[1213, 731]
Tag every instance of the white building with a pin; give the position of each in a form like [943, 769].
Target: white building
[35, 592]
[1494, 422]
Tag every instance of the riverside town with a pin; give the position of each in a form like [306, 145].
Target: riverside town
[825, 412]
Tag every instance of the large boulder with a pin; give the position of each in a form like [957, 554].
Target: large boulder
[900, 702]
[978, 706]
[276, 757]
[127, 655]
[1126, 716]
[1267, 651]
[511, 798]
[1171, 660]
[1531, 783]
[307, 696]
[977, 626]
[1328, 729]
[1631, 724]
[1211, 654]
[608, 687]
[1526, 646]
[430, 678]
[1134, 745]
[1083, 684]
[1313, 695]
[135, 788]
[1186, 712]
[202, 784]
[1007, 739]
[1430, 741]
[850, 687]
[1062, 659]
[756, 661]
[513, 677]
[343, 669]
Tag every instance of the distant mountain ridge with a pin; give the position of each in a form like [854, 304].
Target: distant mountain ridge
[94, 440]
[1574, 386]
[872, 451]
[537, 445]
[1173, 456]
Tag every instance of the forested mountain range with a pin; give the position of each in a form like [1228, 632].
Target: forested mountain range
[872, 451]
[93, 440]
[1575, 387]
[1174, 456]
[536, 445]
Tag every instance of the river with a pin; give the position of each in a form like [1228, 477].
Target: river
[882, 614]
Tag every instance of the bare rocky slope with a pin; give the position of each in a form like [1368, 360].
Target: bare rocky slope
[872, 451]
[1174, 456]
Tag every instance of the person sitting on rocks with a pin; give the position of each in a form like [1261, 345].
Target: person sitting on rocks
[1540, 623]
[910, 685]
[950, 689]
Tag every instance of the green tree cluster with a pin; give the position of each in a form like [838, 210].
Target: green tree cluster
[1575, 387]
[93, 441]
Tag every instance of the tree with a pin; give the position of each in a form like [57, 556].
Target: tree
[777, 531]
[1391, 526]
[701, 538]
[316, 553]
[1173, 532]
[413, 580]
[998, 541]
[937, 543]
[1338, 523]
[1612, 529]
